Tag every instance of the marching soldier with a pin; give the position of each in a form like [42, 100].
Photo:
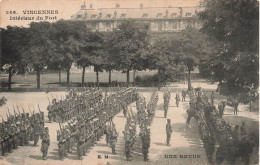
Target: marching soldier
[168, 132]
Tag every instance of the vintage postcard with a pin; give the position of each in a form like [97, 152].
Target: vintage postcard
[111, 82]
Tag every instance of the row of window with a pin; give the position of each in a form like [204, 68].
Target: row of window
[173, 25]
[145, 15]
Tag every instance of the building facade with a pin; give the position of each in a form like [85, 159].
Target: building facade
[161, 19]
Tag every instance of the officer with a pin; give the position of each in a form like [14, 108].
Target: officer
[183, 95]
[168, 132]
[45, 143]
[80, 144]
[177, 98]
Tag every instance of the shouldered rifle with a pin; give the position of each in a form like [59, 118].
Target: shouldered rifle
[18, 109]
[9, 111]
[48, 99]
[39, 108]
[23, 110]
[33, 110]
[30, 110]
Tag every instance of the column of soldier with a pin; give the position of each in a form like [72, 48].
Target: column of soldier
[144, 119]
[214, 130]
[90, 124]
[73, 104]
[19, 129]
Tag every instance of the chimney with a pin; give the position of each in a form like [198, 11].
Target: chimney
[117, 5]
[83, 6]
[90, 6]
[141, 6]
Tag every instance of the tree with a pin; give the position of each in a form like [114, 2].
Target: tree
[129, 42]
[95, 46]
[165, 52]
[13, 40]
[67, 37]
[195, 47]
[39, 47]
[236, 25]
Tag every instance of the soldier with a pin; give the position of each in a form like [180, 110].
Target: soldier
[168, 132]
[45, 143]
[113, 139]
[212, 98]
[243, 130]
[145, 136]
[221, 108]
[177, 98]
[61, 145]
[183, 95]
[36, 133]
[127, 145]
[80, 144]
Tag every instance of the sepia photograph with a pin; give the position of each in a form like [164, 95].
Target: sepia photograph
[129, 82]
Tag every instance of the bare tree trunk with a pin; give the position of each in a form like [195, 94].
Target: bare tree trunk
[38, 78]
[250, 107]
[9, 78]
[134, 77]
[83, 76]
[59, 76]
[127, 77]
[68, 76]
[109, 77]
[97, 79]
[189, 82]
[159, 79]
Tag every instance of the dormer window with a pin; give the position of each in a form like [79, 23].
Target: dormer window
[108, 15]
[123, 15]
[145, 15]
[94, 16]
[174, 14]
[188, 14]
[159, 15]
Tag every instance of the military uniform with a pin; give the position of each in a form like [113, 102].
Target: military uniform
[45, 143]
[168, 132]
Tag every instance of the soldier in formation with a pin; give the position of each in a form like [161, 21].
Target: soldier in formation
[214, 129]
[129, 136]
[19, 129]
[146, 140]
[166, 98]
[88, 124]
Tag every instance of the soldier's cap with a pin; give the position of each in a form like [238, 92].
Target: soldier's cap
[18, 122]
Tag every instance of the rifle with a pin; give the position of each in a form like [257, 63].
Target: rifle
[39, 108]
[9, 111]
[60, 126]
[14, 113]
[48, 99]
[23, 110]
[30, 110]
[33, 110]
[18, 110]
[51, 96]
